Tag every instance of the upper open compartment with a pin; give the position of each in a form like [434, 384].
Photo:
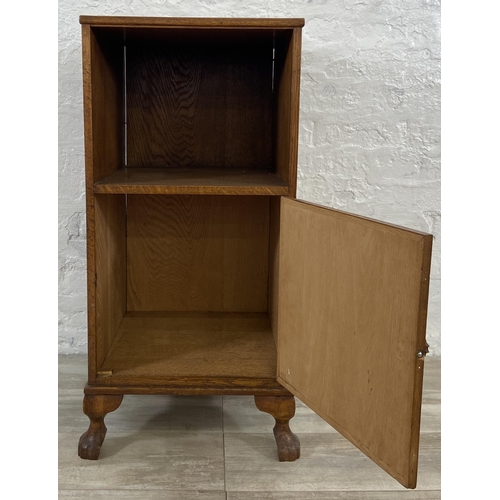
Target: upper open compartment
[192, 107]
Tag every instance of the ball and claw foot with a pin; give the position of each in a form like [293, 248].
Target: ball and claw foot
[282, 408]
[96, 407]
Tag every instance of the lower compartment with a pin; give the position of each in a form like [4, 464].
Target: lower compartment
[185, 295]
[158, 347]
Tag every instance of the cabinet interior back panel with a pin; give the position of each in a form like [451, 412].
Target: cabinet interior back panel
[199, 103]
[197, 253]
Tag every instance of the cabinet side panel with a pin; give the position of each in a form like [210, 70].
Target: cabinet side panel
[198, 253]
[107, 97]
[102, 68]
[274, 244]
[89, 198]
[287, 71]
[111, 269]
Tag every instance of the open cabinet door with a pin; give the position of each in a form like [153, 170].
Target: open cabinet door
[351, 327]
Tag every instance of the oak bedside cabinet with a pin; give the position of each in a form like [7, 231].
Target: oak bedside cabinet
[205, 274]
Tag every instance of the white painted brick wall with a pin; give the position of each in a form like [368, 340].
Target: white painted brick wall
[369, 122]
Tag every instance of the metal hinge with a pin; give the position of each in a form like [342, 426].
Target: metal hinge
[422, 353]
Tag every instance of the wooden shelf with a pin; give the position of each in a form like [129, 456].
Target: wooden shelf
[161, 345]
[229, 181]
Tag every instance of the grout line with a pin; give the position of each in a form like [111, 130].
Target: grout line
[131, 490]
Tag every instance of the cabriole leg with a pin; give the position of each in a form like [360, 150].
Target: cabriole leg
[282, 408]
[96, 407]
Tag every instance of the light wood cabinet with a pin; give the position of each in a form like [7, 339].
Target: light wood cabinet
[205, 274]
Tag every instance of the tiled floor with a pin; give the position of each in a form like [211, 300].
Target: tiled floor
[222, 448]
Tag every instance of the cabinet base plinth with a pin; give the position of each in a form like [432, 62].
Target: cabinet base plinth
[191, 387]
[275, 400]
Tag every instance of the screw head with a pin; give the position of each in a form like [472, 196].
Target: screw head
[420, 354]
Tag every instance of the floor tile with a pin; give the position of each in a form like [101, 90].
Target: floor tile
[432, 380]
[145, 460]
[173, 446]
[142, 495]
[145, 412]
[241, 415]
[431, 418]
[327, 462]
[334, 495]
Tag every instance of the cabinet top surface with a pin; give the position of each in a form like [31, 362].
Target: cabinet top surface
[192, 21]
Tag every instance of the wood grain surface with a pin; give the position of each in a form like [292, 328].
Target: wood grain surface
[156, 345]
[351, 321]
[102, 68]
[199, 104]
[274, 254]
[96, 407]
[286, 125]
[110, 279]
[103, 104]
[282, 409]
[232, 181]
[210, 22]
[197, 253]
